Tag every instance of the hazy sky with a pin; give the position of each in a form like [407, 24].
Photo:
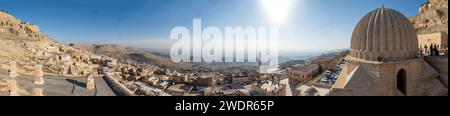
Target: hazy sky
[309, 25]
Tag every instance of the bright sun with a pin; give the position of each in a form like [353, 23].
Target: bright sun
[277, 10]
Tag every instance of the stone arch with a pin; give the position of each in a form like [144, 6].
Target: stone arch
[352, 52]
[365, 55]
[402, 81]
[359, 54]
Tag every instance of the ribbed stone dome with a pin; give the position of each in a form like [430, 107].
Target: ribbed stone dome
[384, 35]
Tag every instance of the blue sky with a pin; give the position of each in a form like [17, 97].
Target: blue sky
[310, 25]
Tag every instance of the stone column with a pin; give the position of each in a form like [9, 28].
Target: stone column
[12, 87]
[90, 82]
[38, 92]
[3, 85]
[13, 69]
[38, 75]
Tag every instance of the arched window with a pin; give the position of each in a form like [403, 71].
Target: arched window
[401, 81]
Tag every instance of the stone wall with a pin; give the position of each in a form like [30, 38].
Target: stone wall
[5, 17]
[116, 86]
[441, 66]
[14, 26]
[439, 38]
[374, 79]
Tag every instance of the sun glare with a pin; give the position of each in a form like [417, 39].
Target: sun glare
[277, 10]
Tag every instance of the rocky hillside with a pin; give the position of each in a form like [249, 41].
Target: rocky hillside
[108, 49]
[432, 17]
[23, 43]
[19, 39]
[132, 55]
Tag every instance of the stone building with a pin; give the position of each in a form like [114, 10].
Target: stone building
[240, 79]
[384, 60]
[207, 80]
[180, 79]
[325, 63]
[301, 74]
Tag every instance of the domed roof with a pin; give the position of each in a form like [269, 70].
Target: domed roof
[384, 35]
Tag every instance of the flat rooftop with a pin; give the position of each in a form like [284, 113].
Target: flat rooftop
[306, 68]
[62, 86]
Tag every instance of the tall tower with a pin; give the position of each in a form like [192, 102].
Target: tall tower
[259, 59]
[259, 63]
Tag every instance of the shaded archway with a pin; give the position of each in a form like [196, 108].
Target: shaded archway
[401, 81]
